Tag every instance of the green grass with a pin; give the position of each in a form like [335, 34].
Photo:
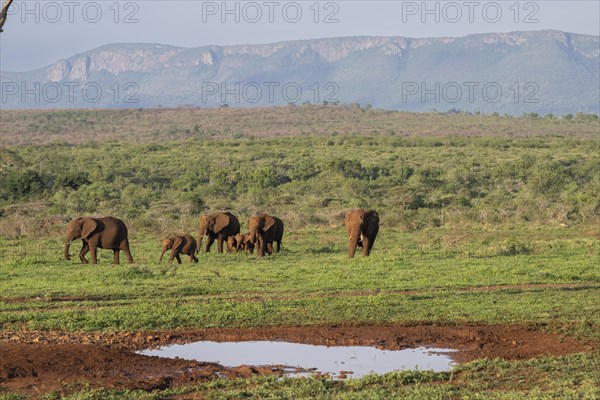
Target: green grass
[310, 282]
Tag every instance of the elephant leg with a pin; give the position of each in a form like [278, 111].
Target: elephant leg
[193, 257]
[211, 240]
[220, 241]
[260, 247]
[366, 246]
[278, 246]
[84, 249]
[116, 260]
[178, 258]
[352, 243]
[125, 248]
[230, 244]
[270, 248]
[372, 241]
[93, 250]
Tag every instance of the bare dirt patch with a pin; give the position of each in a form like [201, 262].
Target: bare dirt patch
[39, 368]
[38, 362]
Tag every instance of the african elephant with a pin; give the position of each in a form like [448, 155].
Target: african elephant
[242, 242]
[105, 233]
[264, 230]
[362, 227]
[220, 226]
[179, 244]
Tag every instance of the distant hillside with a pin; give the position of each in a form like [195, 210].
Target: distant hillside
[514, 73]
[41, 127]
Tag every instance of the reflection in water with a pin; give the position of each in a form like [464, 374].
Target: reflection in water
[360, 360]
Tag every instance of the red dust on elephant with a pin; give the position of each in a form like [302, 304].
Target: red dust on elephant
[362, 227]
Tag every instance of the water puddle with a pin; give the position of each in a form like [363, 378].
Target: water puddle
[337, 361]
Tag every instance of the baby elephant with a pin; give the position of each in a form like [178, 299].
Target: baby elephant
[243, 243]
[179, 244]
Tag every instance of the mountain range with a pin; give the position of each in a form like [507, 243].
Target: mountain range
[513, 73]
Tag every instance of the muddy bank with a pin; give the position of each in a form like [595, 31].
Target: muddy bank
[39, 368]
[37, 362]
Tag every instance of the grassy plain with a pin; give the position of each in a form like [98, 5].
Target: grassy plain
[486, 220]
[311, 282]
[554, 287]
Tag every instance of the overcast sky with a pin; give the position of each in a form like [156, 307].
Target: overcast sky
[38, 33]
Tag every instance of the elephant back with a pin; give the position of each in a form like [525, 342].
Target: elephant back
[234, 224]
[278, 228]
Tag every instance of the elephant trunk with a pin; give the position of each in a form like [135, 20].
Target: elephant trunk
[202, 231]
[67, 245]
[199, 243]
[161, 255]
[352, 243]
[258, 248]
[252, 236]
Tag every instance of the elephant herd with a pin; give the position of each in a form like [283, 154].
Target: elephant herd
[263, 231]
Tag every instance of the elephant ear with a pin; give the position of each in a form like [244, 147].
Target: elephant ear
[371, 222]
[177, 242]
[221, 221]
[88, 226]
[269, 222]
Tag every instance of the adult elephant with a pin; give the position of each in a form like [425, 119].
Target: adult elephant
[362, 227]
[218, 226]
[264, 230]
[105, 233]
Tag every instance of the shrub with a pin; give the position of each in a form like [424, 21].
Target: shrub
[19, 185]
[513, 247]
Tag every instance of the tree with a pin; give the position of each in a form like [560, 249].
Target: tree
[4, 13]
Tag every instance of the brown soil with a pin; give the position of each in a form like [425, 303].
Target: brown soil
[37, 362]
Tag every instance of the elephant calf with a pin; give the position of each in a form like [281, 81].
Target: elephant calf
[362, 227]
[179, 244]
[242, 242]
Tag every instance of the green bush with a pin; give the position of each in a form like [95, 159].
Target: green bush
[21, 185]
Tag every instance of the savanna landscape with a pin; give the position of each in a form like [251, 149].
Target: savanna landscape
[488, 244]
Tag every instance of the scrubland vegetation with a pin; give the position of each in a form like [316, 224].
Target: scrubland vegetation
[519, 171]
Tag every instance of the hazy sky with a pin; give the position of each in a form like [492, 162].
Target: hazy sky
[38, 33]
